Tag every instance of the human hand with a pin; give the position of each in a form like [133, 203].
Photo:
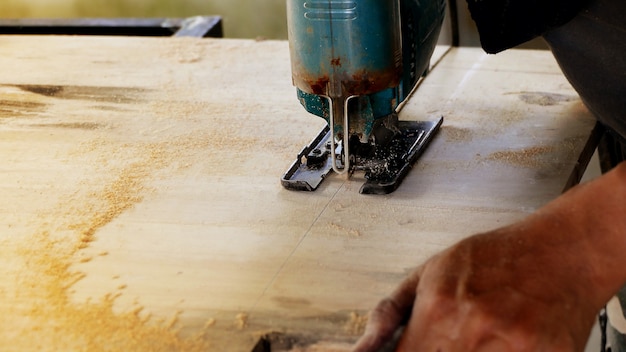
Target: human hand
[507, 290]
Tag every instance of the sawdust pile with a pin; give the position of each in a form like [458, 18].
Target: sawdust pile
[357, 323]
[545, 98]
[343, 230]
[528, 157]
[457, 134]
[241, 321]
[36, 310]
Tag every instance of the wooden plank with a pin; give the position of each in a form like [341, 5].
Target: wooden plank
[141, 205]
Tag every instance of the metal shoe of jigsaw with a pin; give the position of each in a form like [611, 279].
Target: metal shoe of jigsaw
[353, 63]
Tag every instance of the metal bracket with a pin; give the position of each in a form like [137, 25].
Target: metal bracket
[384, 169]
[199, 26]
[312, 164]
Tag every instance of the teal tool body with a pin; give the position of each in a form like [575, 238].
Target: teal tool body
[353, 63]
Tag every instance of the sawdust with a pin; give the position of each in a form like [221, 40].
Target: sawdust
[528, 157]
[457, 134]
[73, 125]
[186, 110]
[46, 320]
[545, 98]
[343, 230]
[356, 323]
[37, 312]
[241, 321]
[210, 323]
[38, 309]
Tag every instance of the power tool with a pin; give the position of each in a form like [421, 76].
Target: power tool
[353, 63]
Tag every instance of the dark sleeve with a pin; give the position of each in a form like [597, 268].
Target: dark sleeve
[503, 24]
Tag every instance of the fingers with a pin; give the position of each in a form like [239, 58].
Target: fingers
[382, 324]
[388, 315]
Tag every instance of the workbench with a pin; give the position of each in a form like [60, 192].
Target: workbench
[141, 207]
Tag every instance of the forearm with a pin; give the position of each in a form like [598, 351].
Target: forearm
[511, 289]
[582, 235]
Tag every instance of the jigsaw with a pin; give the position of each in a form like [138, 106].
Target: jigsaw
[353, 63]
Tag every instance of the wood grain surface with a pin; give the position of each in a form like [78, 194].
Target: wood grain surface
[141, 207]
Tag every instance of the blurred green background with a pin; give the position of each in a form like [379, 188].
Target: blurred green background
[242, 18]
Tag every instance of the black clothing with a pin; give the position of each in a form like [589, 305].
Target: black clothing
[587, 37]
[503, 24]
[591, 50]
